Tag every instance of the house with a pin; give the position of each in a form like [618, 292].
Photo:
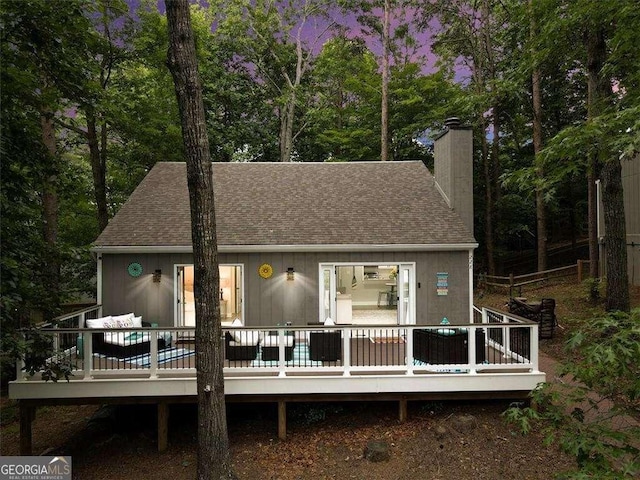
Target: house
[631, 193]
[337, 281]
[342, 227]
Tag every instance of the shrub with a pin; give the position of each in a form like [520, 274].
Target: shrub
[593, 412]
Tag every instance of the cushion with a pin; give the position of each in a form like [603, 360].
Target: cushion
[446, 331]
[137, 322]
[124, 339]
[236, 323]
[274, 341]
[99, 322]
[122, 318]
[245, 338]
[124, 323]
[329, 321]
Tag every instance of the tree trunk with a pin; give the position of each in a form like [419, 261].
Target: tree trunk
[536, 96]
[97, 156]
[287, 117]
[488, 208]
[615, 240]
[600, 98]
[384, 136]
[214, 460]
[51, 267]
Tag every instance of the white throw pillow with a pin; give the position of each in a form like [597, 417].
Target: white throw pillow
[137, 322]
[236, 323]
[98, 322]
[119, 318]
[124, 323]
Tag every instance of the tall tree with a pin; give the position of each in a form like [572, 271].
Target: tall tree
[384, 122]
[280, 41]
[470, 31]
[389, 22]
[214, 458]
[45, 51]
[601, 100]
[536, 100]
[610, 62]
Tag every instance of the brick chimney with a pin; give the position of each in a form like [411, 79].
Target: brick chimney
[453, 168]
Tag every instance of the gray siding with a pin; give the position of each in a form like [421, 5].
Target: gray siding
[275, 300]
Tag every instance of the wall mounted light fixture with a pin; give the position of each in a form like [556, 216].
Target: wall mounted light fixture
[157, 275]
[290, 273]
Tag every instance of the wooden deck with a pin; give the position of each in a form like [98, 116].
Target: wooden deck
[494, 357]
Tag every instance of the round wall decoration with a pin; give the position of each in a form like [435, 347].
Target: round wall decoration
[134, 269]
[265, 270]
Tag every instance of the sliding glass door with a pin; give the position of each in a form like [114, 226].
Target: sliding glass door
[231, 294]
[367, 293]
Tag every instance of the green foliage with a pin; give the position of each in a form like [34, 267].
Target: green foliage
[39, 357]
[593, 413]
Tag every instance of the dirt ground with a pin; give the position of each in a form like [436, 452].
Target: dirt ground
[440, 440]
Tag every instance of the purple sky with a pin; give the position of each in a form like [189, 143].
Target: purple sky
[314, 28]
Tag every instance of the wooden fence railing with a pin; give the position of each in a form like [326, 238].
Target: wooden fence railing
[516, 282]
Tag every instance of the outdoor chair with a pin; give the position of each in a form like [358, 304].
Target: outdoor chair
[271, 346]
[543, 313]
[446, 345]
[325, 346]
[241, 345]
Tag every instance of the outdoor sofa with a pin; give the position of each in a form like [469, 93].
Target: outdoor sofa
[125, 336]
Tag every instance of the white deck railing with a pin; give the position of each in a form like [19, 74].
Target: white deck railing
[494, 342]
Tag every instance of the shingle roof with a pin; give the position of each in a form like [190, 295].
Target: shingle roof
[358, 203]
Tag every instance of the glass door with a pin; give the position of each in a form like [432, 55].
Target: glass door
[327, 292]
[406, 295]
[231, 294]
[367, 293]
[186, 306]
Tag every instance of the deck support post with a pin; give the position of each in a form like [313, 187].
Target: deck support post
[163, 426]
[27, 415]
[282, 420]
[402, 410]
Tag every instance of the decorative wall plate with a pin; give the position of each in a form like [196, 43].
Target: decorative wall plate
[134, 269]
[265, 270]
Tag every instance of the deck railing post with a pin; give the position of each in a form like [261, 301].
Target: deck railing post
[87, 354]
[534, 347]
[281, 352]
[409, 350]
[153, 354]
[506, 336]
[21, 365]
[346, 351]
[472, 349]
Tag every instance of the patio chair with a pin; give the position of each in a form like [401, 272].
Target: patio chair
[271, 346]
[241, 345]
[542, 312]
[446, 345]
[325, 346]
